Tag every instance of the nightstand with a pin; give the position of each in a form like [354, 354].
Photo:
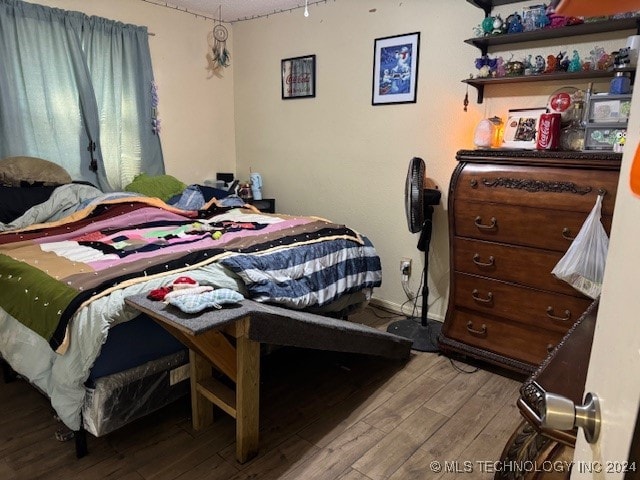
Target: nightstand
[266, 205]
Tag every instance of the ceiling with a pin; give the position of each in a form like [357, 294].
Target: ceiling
[236, 10]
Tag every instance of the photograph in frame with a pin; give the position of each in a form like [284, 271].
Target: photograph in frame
[395, 69]
[521, 128]
[298, 77]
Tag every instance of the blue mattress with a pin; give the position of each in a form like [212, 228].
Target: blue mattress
[131, 344]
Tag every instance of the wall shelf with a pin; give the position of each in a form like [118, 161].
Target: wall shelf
[487, 5]
[483, 43]
[479, 83]
[588, 28]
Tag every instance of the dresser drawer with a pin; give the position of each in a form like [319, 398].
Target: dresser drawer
[536, 308]
[573, 190]
[522, 265]
[517, 341]
[529, 226]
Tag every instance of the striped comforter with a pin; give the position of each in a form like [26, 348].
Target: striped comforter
[49, 271]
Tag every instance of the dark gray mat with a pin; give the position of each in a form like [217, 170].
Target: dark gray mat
[282, 326]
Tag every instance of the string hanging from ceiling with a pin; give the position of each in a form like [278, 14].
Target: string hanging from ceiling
[305, 6]
[183, 10]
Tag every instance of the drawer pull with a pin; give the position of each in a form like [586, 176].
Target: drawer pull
[566, 234]
[473, 182]
[550, 347]
[482, 331]
[567, 315]
[476, 296]
[482, 226]
[476, 260]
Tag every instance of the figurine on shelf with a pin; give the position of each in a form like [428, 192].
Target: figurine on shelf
[562, 64]
[514, 23]
[487, 25]
[621, 58]
[539, 65]
[486, 66]
[498, 25]
[621, 138]
[600, 60]
[515, 68]
[575, 65]
[552, 64]
[534, 17]
[501, 70]
[528, 65]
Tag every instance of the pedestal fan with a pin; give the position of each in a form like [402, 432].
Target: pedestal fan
[418, 202]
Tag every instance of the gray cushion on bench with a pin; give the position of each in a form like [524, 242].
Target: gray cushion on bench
[282, 326]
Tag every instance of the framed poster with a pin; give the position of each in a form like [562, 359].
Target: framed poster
[521, 128]
[298, 77]
[395, 69]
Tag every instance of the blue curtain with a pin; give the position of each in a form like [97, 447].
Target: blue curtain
[67, 80]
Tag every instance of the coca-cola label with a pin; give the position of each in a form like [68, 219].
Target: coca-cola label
[548, 131]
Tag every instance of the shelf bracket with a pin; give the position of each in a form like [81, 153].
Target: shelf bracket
[480, 89]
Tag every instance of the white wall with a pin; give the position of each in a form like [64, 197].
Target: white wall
[196, 110]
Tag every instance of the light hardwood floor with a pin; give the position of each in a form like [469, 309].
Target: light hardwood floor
[323, 415]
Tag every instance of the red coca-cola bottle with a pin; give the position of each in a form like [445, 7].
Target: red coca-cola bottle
[548, 131]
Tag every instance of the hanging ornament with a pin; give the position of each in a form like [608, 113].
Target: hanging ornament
[466, 99]
[221, 56]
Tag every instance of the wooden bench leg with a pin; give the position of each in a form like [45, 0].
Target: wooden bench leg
[247, 398]
[201, 407]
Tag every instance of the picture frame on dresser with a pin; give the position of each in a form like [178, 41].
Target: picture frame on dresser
[521, 128]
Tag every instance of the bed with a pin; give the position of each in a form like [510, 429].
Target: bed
[68, 262]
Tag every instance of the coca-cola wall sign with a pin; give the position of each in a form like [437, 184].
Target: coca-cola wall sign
[298, 77]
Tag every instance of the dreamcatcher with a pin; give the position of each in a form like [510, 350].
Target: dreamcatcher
[221, 56]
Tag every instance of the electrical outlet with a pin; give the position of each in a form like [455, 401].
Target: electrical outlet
[405, 266]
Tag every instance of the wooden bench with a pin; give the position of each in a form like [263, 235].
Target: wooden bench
[229, 341]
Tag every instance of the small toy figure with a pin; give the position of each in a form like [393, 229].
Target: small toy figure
[501, 70]
[621, 58]
[575, 65]
[552, 64]
[600, 60]
[514, 23]
[539, 65]
[562, 62]
[485, 65]
[528, 66]
[498, 25]
[487, 25]
[621, 138]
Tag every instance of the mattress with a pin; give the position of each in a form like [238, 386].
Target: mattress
[120, 398]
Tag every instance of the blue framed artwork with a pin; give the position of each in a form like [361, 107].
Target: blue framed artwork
[395, 69]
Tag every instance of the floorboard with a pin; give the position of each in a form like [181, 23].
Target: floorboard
[323, 416]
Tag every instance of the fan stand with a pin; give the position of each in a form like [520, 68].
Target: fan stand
[422, 331]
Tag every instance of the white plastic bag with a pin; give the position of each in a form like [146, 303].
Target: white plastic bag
[582, 266]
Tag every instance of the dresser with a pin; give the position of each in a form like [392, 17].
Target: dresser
[512, 216]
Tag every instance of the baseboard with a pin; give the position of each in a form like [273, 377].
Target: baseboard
[397, 308]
